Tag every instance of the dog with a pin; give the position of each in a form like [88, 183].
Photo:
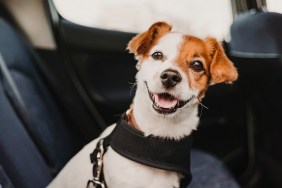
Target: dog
[174, 72]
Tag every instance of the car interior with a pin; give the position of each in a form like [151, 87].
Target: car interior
[55, 101]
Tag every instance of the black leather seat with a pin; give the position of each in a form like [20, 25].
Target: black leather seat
[33, 151]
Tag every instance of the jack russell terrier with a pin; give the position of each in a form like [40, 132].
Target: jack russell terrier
[174, 72]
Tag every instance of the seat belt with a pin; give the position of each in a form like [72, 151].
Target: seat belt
[19, 106]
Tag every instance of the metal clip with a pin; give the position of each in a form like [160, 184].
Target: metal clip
[99, 164]
[96, 182]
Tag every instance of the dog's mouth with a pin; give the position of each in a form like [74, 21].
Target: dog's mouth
[165, 103]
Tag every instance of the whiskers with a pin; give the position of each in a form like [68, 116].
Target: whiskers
[202, 106]
[132, 87]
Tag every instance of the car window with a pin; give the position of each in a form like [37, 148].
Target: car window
[200, 18]
[274, 5]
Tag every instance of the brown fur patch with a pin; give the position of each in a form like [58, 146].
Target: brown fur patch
[130, 117]
[143, 42]
[193, 49]
[217, 67]
[222, 69]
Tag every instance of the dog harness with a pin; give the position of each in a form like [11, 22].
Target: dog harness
[167, 154]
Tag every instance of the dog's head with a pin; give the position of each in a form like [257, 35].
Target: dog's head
[175, 70]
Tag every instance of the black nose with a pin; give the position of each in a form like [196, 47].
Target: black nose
[170, 78]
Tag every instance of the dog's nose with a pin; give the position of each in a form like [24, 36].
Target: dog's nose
[170, 78]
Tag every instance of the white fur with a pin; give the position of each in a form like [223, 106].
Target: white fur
[78, 170]
[119, 171]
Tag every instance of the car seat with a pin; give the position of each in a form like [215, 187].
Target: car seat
[256, 49]
[34, 140]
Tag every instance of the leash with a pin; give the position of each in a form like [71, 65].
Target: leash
[167, 154]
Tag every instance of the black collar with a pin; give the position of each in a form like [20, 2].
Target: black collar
[167, 154]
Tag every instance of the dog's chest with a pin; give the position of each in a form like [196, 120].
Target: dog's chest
[122, 172]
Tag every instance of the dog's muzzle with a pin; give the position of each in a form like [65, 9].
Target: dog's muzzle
[165, 103]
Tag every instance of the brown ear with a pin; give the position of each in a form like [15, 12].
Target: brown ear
[222, 69]
[142, 43]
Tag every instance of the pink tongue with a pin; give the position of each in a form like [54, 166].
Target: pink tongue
[165, 103]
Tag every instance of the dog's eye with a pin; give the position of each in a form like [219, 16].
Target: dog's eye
[157, 55]
[197, 66]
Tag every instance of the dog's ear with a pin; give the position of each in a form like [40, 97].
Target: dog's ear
[222, 69]
[142, 43]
